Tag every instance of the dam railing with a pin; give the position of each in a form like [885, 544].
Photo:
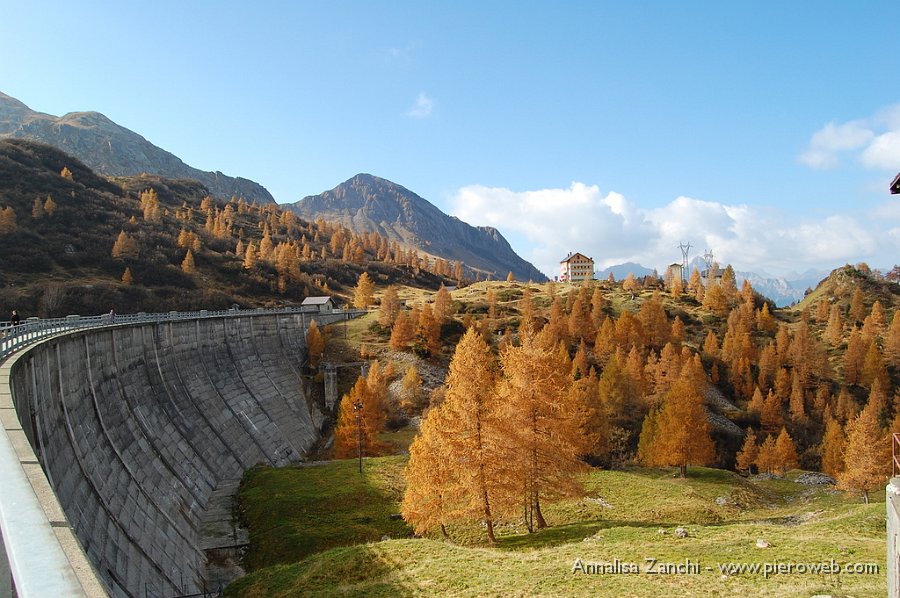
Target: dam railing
[32, 560]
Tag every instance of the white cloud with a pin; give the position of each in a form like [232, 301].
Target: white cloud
[613, 230]
[423, 106]
[874, 141]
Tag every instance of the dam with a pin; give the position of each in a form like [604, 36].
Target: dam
[124, 430]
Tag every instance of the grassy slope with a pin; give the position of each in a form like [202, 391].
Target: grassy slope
[802, 524]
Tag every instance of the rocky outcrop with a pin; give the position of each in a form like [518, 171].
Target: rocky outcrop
[110, 149]
[369, 203]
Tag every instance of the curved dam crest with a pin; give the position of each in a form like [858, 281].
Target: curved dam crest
[135, 427]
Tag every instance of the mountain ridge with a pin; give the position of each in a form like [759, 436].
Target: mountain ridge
[366, 203]
[110, 149]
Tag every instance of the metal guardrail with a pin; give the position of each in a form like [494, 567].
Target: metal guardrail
[14, 338]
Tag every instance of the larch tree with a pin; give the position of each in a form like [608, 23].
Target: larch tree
[250, 257]
[547, 442]
[767, 458]
[50, 206]
[187, 264]
[892, 341]
[428, 331]
[361, 418]
[432, 490]
[785, 453]
[857, 306]
[363, 293]
[124, 247]
[127, 277]
[683, 437]
[834, 330]
[471, 434]
[403, 332]
[749, 452]
[866, 462]
[412, 395]
[443, 305]
[510, 277]
[37, 210]
[390, 307]
[315, 344]
[833, 447]
[630, 284]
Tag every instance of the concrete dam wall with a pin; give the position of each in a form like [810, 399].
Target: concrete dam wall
[135, 426]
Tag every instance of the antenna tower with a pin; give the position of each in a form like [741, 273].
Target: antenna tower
[709, 259]
[685, 249]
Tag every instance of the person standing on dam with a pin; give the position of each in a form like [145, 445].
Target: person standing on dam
[14, 318]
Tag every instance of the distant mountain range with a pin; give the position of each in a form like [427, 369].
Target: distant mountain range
[369, 203]
[782, 290]
[110, 149]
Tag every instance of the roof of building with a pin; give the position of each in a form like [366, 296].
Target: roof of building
[895, 185]
[572, 256]
[316, 300]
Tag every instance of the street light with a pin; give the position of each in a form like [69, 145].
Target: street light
[357, 407]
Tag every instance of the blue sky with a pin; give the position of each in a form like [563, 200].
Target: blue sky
[766, 131]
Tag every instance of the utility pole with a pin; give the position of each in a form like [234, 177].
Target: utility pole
[357, 407]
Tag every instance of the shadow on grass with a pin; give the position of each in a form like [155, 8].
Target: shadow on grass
[566, 534]
[352, 571]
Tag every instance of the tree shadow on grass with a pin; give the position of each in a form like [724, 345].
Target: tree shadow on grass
[566, 534]
[352, 571]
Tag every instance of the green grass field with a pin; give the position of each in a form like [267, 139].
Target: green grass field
[317, 531]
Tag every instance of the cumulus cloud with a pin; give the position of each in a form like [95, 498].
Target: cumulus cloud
[874, 142]
[422, 107]
[613, 230]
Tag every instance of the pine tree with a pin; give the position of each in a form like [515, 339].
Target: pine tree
[127, 278]
[362, 294]
[771, 417]
[866, 462]
[749, 452]
[510, 277]
[315, 344]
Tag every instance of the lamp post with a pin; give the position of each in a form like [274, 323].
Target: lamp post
[357, 407]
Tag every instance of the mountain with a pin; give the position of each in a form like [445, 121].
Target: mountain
[367, 203]
[620, 271]
[110, 149]
[59, 236]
